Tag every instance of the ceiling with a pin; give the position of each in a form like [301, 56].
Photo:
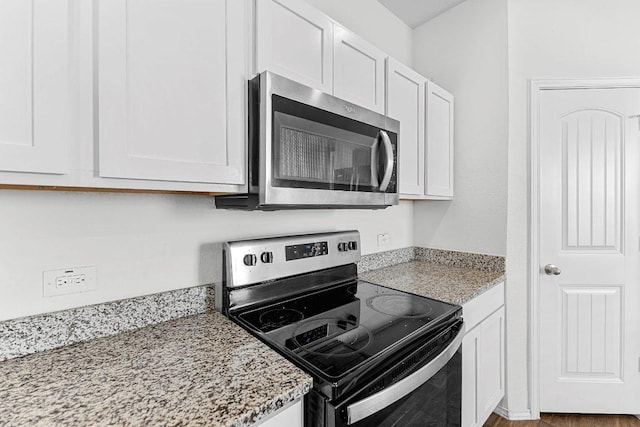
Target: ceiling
[416, 12]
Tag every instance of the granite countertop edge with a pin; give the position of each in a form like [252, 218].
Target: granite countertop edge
[489, 285]
[264, 411]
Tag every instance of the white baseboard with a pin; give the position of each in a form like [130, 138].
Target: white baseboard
[502, 411]
[512, 415]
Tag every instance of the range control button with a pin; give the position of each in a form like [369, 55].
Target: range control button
[266, 257]
[250, 260]
[342, 247]
[353, 245]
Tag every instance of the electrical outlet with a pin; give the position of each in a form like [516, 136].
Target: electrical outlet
[383, 239]
[68, 281]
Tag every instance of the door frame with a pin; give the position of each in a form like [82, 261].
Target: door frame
[536, 87]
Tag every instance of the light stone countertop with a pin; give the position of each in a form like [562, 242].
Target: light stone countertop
[448, 283]
[197, 370]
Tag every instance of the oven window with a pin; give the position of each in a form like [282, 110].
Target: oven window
[437, 403]
[316, 149]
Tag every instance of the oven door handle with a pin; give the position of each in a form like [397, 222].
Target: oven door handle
[376, 402]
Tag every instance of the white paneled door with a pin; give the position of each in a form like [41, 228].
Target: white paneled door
[589, 299]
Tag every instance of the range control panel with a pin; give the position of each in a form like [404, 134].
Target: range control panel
[260, 260]
[306, 250]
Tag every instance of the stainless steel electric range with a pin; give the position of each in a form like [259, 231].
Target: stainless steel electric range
[378, 356]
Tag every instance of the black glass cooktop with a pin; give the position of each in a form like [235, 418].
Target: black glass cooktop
[336, 330]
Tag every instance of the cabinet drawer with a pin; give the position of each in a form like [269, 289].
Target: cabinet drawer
[482, 306]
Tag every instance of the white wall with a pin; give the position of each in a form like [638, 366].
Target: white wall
[465, 51]
[551, 39]
[372, 21]
[144, 243]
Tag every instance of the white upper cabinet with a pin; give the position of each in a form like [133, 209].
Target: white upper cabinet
[439, 142]
[35, 72]
[405, 102]
[358, 70]
[172, 90]
[294, 39]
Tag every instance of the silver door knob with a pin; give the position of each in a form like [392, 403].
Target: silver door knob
[552, 270]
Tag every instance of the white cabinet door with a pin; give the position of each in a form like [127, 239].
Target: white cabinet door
[294, 40]
[439, 142]
[289, 417]
[172, 90]
[405, 102]
[483, 369]
[35, 72]
[491, 365]
[470, 370]
[358, 70]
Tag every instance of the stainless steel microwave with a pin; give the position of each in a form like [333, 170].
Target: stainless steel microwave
[308, 149]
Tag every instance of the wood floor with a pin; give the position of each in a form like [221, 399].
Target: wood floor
[567, 420]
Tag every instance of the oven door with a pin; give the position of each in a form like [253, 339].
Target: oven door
[430, 395]
[316, 149]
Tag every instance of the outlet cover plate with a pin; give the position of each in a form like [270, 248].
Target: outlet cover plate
[68, 281]
[383, 239]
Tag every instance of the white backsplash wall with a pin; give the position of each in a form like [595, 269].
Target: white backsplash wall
[465, 51]
[146, 243]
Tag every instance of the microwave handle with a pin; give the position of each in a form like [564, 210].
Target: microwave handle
[388, 168]
[376, 402]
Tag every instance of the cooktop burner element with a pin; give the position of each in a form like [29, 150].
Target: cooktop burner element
[400, 305]
[279, 317]
[357, 319]
[331, 337]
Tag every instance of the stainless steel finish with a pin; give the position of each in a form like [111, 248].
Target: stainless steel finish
[388, 169]
[264, 293]
[375, 403]
[552, 270]
[238, 274]
[272, 196]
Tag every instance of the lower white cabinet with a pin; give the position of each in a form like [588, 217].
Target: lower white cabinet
[483, 376]
[291, 416]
